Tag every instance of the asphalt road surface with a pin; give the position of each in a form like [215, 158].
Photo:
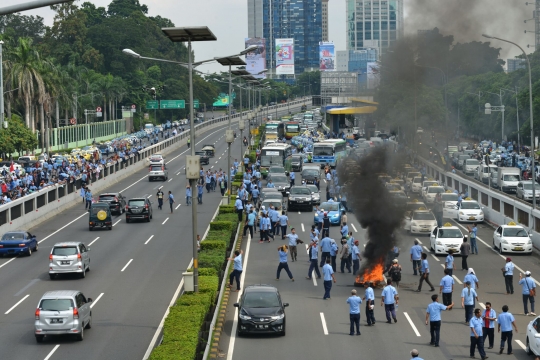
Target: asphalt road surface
[318, 329]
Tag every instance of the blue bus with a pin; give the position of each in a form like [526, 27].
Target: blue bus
[329, 152]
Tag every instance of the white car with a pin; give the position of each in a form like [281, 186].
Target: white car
[416, 184]
[431, 192]
[512, 238]
[156, 159]
[446, 238]
[449, 200]
[421, 222]
[470, 211]
[533, 337]
[426, 184]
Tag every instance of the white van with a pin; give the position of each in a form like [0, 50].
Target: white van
[508, 178]
[483, 172]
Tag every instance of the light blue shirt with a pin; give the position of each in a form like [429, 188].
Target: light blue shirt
[292, 175]
[238, 204]
[326, 244]
[468, 296]
[355, 253]
[251, 219]
[526, 284]
[283, 220]
[314, 235]
[388, 293]
[344, 230]
[292, 239]
[434, 310]
[370, 294]
[282, 256]
[505, 319]
[472, 278]
[238, 263]
[333, 249]
[509, 268]
[425, 266]
[270, 185]
[477, 324]
[449, 262]
[416, 252]
[354, 304]
[447, 282]
[492, 314]
[473, 232]
[314, 252]
[327, 272]
[274, 215]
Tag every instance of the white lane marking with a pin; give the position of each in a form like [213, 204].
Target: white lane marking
[7, 262]
[482, 305]
[442, 265]
[412, 324]
[149, 196]
[96, 239]
[124, 268]
[150, 238]
[303, 229]
[220, 157]
[354, 227]
[159, 188]
[117, 222]
[211, 167]
[178, 174]
[52, 352]
[299, 213]
[14, 306]
[62, 228]
[176, 208]
[169, 180]
[418, 241]
[426, 249]
[313, 277]
[436, 259]
[163, 223]
[521, 345]
[216, 162]
[325, 329]
[96, 300]
[141, 179]
[456, 278]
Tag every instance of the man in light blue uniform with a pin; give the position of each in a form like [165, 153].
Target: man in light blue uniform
[283, 222]
[527, 285]
[509, 276]
[433, 314]
[328, 277]
[416, 257]
[468, 295]
[313, 265]
[239, 206]
[292, 176]
[447, 287]
[326, 245]
[354, 312]
[505, 322]
[274, 218]
[369, 297]
[472, 236]
[282, 251]
[414, 354]
[333, 253]
[477, 337]
[449, 263]
[293, 242]
[237, 269]
[390, 299]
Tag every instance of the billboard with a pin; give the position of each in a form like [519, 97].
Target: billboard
[327, 56]
[285, 56]
[373, 75]
[256, 60]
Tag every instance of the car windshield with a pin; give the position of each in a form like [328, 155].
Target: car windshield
[450, 233]
[435, 189]
[300, 191]
[13, 236]
[156, 168]
[449, 197]
[279, 178]
[310, 172]
[391, 186]
[267, 160]
[529, 186]
[470, 205]
[312, 188]
[136, 202]
[56, 304]
[515, 232]
[64, 250]
[263, 299]
[423, 216]
[429, 183]
[273, 195]
[417, 180]
[416, 206]
[329, 206]
[274, 202]
[156, 158]
[106, 197]
[472, 162]
[399, 194]
[276, 170]
[323, 150]
[412, 175]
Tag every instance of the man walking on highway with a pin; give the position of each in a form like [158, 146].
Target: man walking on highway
[416, 257]
[528, 291]
[508, 271]
[433, 314]
[447, 288]
[314, 257]
[293, 242]
[237, 269]
[468, 296]
[354, 312]
[171, 200]
[160, 199]
[369, 297]
[88, 197]
[465, 250]
[239, 206]
[505, 321]
[425, 274]
[250, 223]
[472, 236]
[489, 316]
[449, 262]
[328, 274]
[477, 338]
[326, 245]
[188, 194]
[389, 299]
[282, 251]
[283, 222]
[355, 257]
[345, 256]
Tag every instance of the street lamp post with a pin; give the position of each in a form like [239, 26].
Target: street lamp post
[1, 88]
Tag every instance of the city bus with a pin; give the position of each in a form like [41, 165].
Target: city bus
[278, 154]
[329, 152]
[286, 118]
[308, 115]
[274, 130]
[292, 128]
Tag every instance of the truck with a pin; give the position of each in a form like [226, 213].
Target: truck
[508, 179]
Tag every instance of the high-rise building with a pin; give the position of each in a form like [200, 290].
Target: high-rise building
[300, 20]
[515, 64]
[325, 20]
[255, 18]
[374, 23]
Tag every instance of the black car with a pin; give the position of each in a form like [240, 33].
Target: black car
[116, 201]
[296, 163]
[139, 209]
[205, 159]
[261, 310]
[309, 174]
[300, 197]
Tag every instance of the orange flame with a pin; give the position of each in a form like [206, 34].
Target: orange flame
[374, 275]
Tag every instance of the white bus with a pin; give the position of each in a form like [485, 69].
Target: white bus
[149, 128]
[277, 154]
[329, 152]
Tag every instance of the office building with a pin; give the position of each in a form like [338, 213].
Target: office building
[356, 60]
[374, 23]
[515, 64]
[255, 18]
[300, 20]
[325, 20]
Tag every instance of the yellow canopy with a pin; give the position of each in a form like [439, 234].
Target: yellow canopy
[353, 110]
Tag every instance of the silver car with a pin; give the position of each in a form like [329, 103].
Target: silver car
[158, 171]
[69, 257]
[524, 190]
[62, 312]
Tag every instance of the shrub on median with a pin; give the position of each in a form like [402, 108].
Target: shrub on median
[227, 209]
[222, 225]
[213, 244]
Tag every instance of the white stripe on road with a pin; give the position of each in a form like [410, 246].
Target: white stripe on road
[170, 180]
[211, 167]
[52, 352]
[178, 174]
[96, 300]
[354, 228]
[412, 324]
[482, 305]
[10, 260]
[521, 345]
[303, 228]
[124, 268]
[96, 239]
[429, 252]
[325, 329]
[220, 157]
[14, 306]
[216, 162]
[418, 241]
[149, 196]
[62, 228]
[163, 223]
[117, 222]
[456, 278]
[176, 208]
[150, 238]
[313, 277]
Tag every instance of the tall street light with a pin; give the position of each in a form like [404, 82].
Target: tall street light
[1, 88]
[530, 118]
[241, 122]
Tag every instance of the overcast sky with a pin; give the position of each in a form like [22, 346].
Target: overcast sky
[228, 21]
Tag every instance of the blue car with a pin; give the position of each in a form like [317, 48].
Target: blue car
[333, 209]
[18, 242]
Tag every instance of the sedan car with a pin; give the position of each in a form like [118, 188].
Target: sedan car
[533, 337]
[421, 222]
[446, 238]
[204, 158]
[310, 172]
[431, 192]
[426, 184]
[334, 210]
[524, 190]
[512, 238]
[116, 201]
[156, 159]
[265, 206]
[296, 162]
[300, 197]
[281, 182]
[470, 211]
[158, 171]
[315, 194]
[261, 310]
[416, 184]
[139, 209]
[69, 257]
[18, 242]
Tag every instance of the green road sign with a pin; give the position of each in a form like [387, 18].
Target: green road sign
[152, 104]
[172, 104]
[195, 104]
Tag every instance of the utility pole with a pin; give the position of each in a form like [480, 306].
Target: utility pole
[1, 88]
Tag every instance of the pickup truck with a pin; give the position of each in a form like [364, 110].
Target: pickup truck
[205, 159]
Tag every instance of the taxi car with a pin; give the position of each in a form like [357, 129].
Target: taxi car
[445, 238]
[334, 210]
[398, 181]
[431, 192]
[416, 184]
[533, 337]
[470, 211]
[426, 184]
[449, 200]
[512, 238]
[399, 196]
[414, 205]
[420, 222]
[156, 158]
[392, 186]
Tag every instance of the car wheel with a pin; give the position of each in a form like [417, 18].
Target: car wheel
[89, 324]
[110, 227]
[83, 274]
[148, 219]
[39, 338]
[80, 337]
[528, 348]
[52, 276]
[151, 215]
[500, 249]
[283, 332]
[127, 220]
[29, 251]
[37, 246]
[90, 228]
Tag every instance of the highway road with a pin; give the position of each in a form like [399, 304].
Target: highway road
[318, 329]
[135, 269]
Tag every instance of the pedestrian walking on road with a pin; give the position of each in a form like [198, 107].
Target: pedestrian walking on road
[416, 257]
[390, 299]
[471, 277]
[160, 199]
[472, 235]
[477, 338]
[354, 312]
[328, 274]
[489, 316]
[171, 201]
[345, 256]
[326, 245]
[528, 292]
[314, 258]
[468, 295]
[395, 272]
[326, 225]
[369, 298]
[200, 191]
[188, 194]
[414, 354]
[239, 206]
[508, 272]
[250, 223]
[283, 222]
[433, 316]
[355, 257]
[465, 250]
[449, 262]
[505, 321]
[425, 274]
[447, 288]
[237, 269]
[88, 197]
[293, 242]
[282, 251]
[333, 253]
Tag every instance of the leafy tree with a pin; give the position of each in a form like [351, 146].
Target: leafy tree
[124, 8]
[16, 26]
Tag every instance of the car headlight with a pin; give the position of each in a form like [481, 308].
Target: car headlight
[461, 213]
[481, 213]
[529, 242]
[278, 317]
[244, 317]
[414, 224]
[335, 216]
[439, 243]
[504, 242]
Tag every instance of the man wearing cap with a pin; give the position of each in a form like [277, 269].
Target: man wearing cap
[354, 312]
[239, 206]
[508, 272]
[528, 287]
[414, 354]
[416, 257]
[433, 314]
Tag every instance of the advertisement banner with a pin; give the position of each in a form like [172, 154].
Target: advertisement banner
[373, 75]
[256, 60]
[285, 56]
[327, 56]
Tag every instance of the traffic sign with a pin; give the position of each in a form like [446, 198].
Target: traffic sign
[195, 104]
[172, 104]
[152, 104]
[133, 106]
[98, 109]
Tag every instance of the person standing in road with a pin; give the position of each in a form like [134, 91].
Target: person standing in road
[171, 200]
[438, 209]
[369, 297]
[239, 206]
[465, 250]
[250, 223]
[354, 312]
[328, 274]
[471, 277]
[345, 256]
[293, 242]
[395, 272]
[283, 222]
[314, 257]
[489, 316]
[326, 245]
[447, 288]
[333, 253]
[414, 354]
[237, 269]
[292, 176]
[477, 338]
[468, 295]
[416, 257]
[160, 199]
[188, 194]
[390, 299]
[508, 271]
[505, 321]
[282, 251]
[449, 262]
[528, 287]
[88, 197]
[425, 274]
[433, 315]
[326, 225]
[472, 235]
[200, 190]
[355, 257]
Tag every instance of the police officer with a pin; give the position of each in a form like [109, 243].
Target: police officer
[160, 199]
